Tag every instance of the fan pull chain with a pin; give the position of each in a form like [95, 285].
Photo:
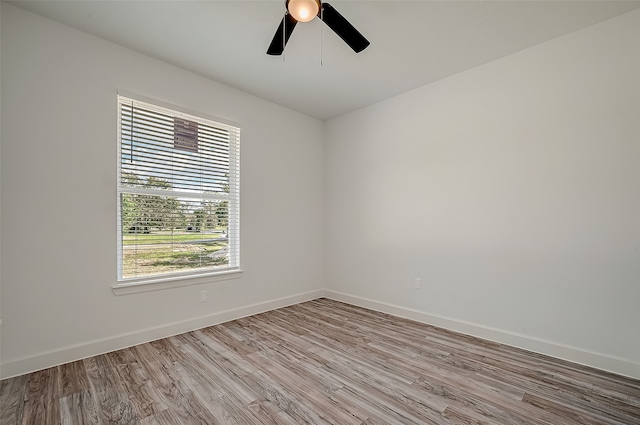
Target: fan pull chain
[321, 33]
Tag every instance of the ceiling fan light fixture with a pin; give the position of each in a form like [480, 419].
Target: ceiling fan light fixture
[303, 10]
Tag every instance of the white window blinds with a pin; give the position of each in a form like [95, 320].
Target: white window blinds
[178, 187]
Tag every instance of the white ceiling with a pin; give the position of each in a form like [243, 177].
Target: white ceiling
[413, 43]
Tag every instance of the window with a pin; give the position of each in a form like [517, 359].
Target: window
[178, 193]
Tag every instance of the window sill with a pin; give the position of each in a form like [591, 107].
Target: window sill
[159, 284]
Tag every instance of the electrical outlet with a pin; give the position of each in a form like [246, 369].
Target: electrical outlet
[203, 296]
[417, 283]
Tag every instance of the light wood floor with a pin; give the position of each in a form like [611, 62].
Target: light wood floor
[320, 362]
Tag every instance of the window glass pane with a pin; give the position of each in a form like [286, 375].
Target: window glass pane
[167, 234]
[155, 146]
[178, 193]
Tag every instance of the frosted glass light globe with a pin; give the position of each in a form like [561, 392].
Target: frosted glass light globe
[303, 10]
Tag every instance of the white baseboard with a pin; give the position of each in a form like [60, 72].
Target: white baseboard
[76, 352]
[600, 361]
[71, 353]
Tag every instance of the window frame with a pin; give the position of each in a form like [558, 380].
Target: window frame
[126, 285]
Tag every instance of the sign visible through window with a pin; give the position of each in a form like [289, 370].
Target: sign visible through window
[185, 135]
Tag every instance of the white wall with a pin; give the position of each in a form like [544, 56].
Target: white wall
[512, 190]
[0, 203]
[59, 198]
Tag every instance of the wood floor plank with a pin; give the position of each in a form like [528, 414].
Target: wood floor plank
[378, 408]
[153, 364]
[142, 394]
[287, 341]
[166, 417]
[316, 396]
[79, 408]
[270, 414]
[186, 406]
[298, 362]
[12, 395]
[112, 401]
[213, 375]
[42, 405]
[73, 378]
[578, 414]
[320, 362]
[288, 402]
[425, 410]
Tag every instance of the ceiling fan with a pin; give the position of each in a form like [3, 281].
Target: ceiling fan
[305, 11]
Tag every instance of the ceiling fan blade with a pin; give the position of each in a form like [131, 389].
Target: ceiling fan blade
[343, 28]
[282, 35]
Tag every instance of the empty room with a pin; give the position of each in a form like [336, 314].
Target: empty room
[307, 212]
